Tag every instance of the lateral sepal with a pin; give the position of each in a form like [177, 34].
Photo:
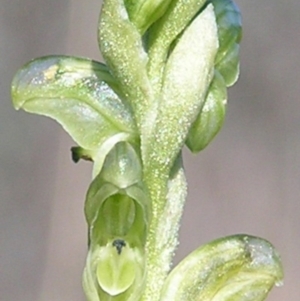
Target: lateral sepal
[82, 96]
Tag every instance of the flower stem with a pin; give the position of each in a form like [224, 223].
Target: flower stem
[168, 194]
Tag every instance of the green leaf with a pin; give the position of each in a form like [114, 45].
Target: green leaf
[76, 93]
[211, 117]
[234, 268]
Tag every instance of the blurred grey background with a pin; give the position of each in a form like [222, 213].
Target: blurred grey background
[246, 181]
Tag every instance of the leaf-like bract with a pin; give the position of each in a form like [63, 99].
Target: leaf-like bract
[234, 268]
[76, 93]
[211, 117]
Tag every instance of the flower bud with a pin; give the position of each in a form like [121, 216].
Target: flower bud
[122, 48]
[143, 13]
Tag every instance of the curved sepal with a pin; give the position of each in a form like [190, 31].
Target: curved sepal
[76, 93]
[211, 117]
[234, 268]
[229, 24]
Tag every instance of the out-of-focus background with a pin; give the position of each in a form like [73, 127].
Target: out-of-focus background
[246, 181]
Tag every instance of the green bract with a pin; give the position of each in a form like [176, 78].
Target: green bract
[77, 93]
[161, 35]
[169, 63]
[210, 119]
[230, 33]
[234, 268]
[188, 73]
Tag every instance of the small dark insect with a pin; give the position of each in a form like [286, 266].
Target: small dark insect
[119, 244]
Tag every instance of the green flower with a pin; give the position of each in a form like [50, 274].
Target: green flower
[164, 85]
[117, 210]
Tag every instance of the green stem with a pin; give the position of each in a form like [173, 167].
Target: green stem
[156, 272]
[168, 194]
